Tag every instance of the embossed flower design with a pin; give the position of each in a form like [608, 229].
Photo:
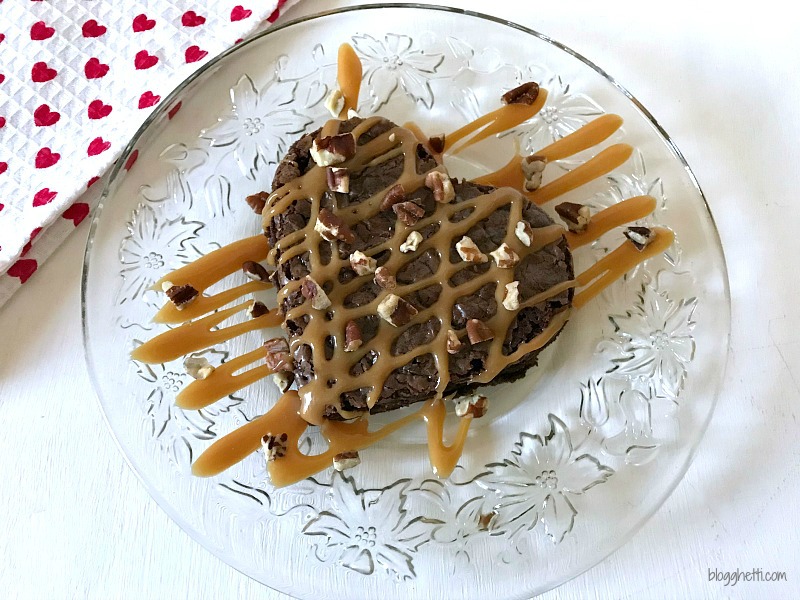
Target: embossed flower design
[365, 528]
[393, 62]
[259, 124]
[653, 341]
[536, 484]
[153, 247]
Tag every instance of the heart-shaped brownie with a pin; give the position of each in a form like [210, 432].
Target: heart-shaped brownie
[398, 284]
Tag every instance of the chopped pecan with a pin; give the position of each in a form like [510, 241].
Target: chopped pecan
[396, 311]
[338, 179]
[576, 216]
[394, 195]
[257, 201]
[524, 232]
[533, 170]
[332, 227]
[436, 143]
[352, 336]
[255, 271]
[283, 380]
[475, 405]
[408, 212]
[478, 331]
[257, 309]
[523, 94]
[441, 185]
[197, 367]
[278, 357]
[180, 295]
[412, 242]
[333, 149]
[385, 279]
[335, 103]
[469, 251]
[275, 446]
[511, 298]
[453, 343]
[346, 460]
[641, 237]
[504, 256]
[313, 291]
[362, 264]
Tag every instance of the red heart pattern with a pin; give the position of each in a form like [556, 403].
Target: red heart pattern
[94, 69]
[43, 116]
[148, 99]
[2, 37]
[40, 31]
[142, 23]
[43, 196]
[46, 158]
[23, 268]
[3, 169]
[92, 181]
[98, 110]
[194, 53]
[239, 13]
[144, 60]
[92, 29]
[97, 145]
[192, 19]
[76, 213]
[41, 73]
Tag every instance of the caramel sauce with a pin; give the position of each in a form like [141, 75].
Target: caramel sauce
[349, 77]
[607, 219]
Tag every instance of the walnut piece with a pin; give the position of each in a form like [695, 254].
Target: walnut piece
[475, 405]
[278, 357]
[275, 446]
[524, 232]
[180, 295]
[469, 251]
[335, 103]
[333, 149]
[254, 271]
[478, 331]
[313, 291]
[385, 279]
[332, 227]
[436, 143]
[346, 460]
[396, 311]
[197, 367]
[505, 257]
[511, 298]
[453, 343]
[362, 264]
[641, 237]
[257, 309]
[257, 202]
[408, 212]
[394, 195]
[441, 185]
[576, 216]
[283, 380]
[412, 242]
[533, 169]
[338, 179]
[352, 336]
[523, 94]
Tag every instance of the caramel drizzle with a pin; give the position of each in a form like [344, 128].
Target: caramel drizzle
[348, 75]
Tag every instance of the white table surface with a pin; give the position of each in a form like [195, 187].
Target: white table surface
[75, 522]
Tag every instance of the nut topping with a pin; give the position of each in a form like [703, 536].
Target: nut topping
[335, 103]
[641, 237]
[346, 460]
[338, 179]
[576, 216]
[523, 94]
[394, 195]
[284, 380]
[475, 405]
[278, 357]
[478, 331]
[352, 336]
[437, 143]
[511, 298]
[180, 295]
[257, 309]
[352, 114]
[385, 279]
[313, 291]
[453, 343]
[197, 367]
[333, 149]
[533, 169]
[362, 264]
[524, 232]
[332, 227]
[469, 251]
[275, 446]
[257, 202]
[412, 242]
[254, 271]
[408, 212]
[441, 185]
[505, 257]
[396, 311]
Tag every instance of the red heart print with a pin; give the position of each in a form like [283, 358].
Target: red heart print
[148, 99]
[41, 72]
[23, 268]
[2, 78]
[142, 23]
[43, 196]
[3, 169]
[98, 110]
[27, 247]
[97, 145]
[144, 60]
[46, 158]
[2, 37]
[92, 29]
[94, 69]
[76, 213]
[239, 13]
[92, 181]
[174, 110]
[193, 54]
[43, 116]
[192, 19]
[131, 160]
[2, 122]
[40, 31]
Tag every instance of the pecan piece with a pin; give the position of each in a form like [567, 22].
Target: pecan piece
[408, 212]
[197, 367]
[412, 242]
[453, 343]
[469, 251]
[441, 185]
[180, 295]
[352, 336]
[338, 179]
[257, 201]
[278, 357]
[511, 298]
[332, 227]
[522, 94]
[533, 170]
[385, 279]
[504, 256]
[254, 271]
[275, 446]
[257, 309]
[641, 237]
[436, 143]
[335, 103]
[394, 195]
[313, 291]
[333, 149]
[475, 405]
[283, 380]
[346, 460]
[362, 264]
[396, 311]
[524, 232]
[478, 331]
[576, 216]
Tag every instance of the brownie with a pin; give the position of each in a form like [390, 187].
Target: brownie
[417, 379]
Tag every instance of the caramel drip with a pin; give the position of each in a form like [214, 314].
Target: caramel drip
[223, 381]
[497, 121]
[348, 75]
[342, 437]
[607, 219]
[206, 304]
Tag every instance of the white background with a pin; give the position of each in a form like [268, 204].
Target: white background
[75, 522]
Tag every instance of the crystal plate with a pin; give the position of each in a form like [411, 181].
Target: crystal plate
[569, 463]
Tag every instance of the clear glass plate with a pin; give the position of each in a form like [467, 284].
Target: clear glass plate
[571, 460]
